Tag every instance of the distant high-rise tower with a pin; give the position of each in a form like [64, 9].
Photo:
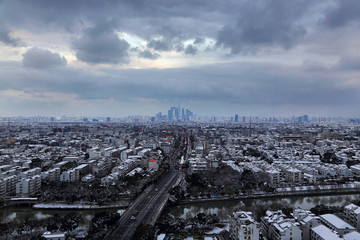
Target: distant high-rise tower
[306, 118]
[170, 114]
[174, 114]
[236, 118]
[177, 113]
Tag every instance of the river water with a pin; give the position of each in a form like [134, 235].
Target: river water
[28, 213]
[221, 208]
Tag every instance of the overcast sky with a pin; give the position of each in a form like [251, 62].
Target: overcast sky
[117, 58]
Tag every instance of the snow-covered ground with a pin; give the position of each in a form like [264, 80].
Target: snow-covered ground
[218, 230]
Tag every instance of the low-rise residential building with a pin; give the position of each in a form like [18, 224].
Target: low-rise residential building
[274, 176]
[197, 165]
[352, 215]
[51, 175]
[243, 226]
[337, 224]
[28, 186]
[352, 236]
[275, 225]
[124, 154]
[322, 232]
[307, 220]
[294, 175]
[153, 164]
[10, 183]
[69, 176]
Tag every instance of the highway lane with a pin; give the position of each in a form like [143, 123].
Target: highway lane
[143, 210]
[155, 208]
[147, 206]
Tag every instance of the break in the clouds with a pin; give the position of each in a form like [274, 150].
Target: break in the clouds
[42, 58]
[243, 56]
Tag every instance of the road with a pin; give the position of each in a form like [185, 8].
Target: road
[149, 205]
[146, 208]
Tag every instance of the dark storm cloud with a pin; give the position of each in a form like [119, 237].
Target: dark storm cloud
[41, 58]
[190, 49]
[264, 23]
[242, 26]
[144, 18]
[149, 55]
[6, 38]
[159, 45]
[345, 12]
[100, 44]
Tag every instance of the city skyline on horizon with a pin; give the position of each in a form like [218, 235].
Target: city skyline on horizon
[162, 117]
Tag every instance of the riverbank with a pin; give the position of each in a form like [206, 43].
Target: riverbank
[319, 192]
[79, 206]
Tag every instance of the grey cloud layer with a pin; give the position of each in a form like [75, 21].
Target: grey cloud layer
[149, 55]
[345, 12]
[100, 44]
[7, 39]
[265, 23]
[238, 83]
[241, 26]
[40, 58]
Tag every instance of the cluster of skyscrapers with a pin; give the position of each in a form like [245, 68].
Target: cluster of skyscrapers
[174, 114]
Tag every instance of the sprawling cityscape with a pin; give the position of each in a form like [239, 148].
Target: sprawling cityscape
[176, 176]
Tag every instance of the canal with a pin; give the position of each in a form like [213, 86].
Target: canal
[9, 214]
[221, 208]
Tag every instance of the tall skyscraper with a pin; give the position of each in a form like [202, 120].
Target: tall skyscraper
[306, 118]
[170, 114]
[236, 118]
[177, 113]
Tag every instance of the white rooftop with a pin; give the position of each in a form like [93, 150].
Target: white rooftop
[352, 236]
[337, 222]
[325, 232]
